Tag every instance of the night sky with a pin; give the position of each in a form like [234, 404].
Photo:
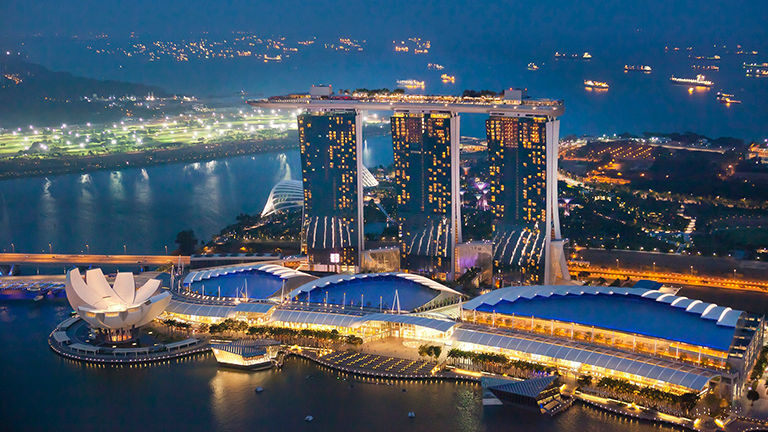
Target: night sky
[616, 23]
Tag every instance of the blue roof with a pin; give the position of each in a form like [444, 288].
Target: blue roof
[372, 290]
[631, 310]
[653, 368]
[648, 284]
[255, 281]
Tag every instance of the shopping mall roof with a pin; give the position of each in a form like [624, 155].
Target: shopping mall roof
[648, 367]
[199, 309]
[388, 291]
[432, 323]
[181, 307]
[352, 319]
[273, 269]
[632, 310]
[315, 317]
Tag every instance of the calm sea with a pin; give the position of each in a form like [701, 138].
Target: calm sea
[42, 391]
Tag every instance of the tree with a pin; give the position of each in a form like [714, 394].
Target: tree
[187, 242]
[584, 380]
[203, 328]
[753, 395]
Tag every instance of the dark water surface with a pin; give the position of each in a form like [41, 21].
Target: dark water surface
[42, 391]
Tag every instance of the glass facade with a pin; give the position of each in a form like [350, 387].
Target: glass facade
[423, 176]
[329, 166]
[517, 148]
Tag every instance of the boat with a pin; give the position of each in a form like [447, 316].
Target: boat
[756, 69]
[533, 66]
[726, 98]
[411, 414]
[411, 84]
[700, 81]
[245, 354]
[308, 418]
[638, 68]
[448, 78]
[575, 56]
[596, 84]
[435, 66]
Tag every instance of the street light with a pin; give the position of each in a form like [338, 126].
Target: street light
[166, 249]
[125, 249]
[50, 248]
[87, 248]
[13, 247]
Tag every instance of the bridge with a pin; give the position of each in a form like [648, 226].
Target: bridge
[86, 259]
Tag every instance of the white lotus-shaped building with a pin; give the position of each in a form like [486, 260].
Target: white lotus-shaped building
[121, 306]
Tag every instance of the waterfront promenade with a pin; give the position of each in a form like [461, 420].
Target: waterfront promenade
[67, 340]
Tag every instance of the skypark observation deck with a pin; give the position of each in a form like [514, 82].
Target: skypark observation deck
[492, 105]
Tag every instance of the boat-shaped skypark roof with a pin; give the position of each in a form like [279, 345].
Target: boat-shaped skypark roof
[502, 104]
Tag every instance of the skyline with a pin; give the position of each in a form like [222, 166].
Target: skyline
[468, 215]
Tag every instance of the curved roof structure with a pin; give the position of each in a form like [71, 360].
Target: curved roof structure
[181, 307]
[381, 290]
[272, 269]
[285, 195]
[647, 367]
[289, 194]
[632, 310]
[120, 306]
[253, 281]
[353, 319]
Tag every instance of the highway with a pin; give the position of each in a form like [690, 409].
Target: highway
[669, 278]
[83, 259]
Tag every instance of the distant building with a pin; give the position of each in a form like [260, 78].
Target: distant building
[426, 176]
[332, 233]
[380, 260]
[517, 154]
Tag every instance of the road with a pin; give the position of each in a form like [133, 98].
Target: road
[83, 259]
[670, 278]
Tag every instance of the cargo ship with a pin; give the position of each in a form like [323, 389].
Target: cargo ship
[563, 55]
[448, 79]
[700, 81]
[599, 85]
[638, 68]
[756, 69]
[726, 98]
[411, 84]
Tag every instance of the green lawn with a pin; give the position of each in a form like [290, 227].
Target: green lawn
[136, 135]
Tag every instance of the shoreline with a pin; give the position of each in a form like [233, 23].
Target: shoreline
[21, 168]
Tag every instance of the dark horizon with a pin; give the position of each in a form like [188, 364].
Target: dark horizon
[591, 23]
